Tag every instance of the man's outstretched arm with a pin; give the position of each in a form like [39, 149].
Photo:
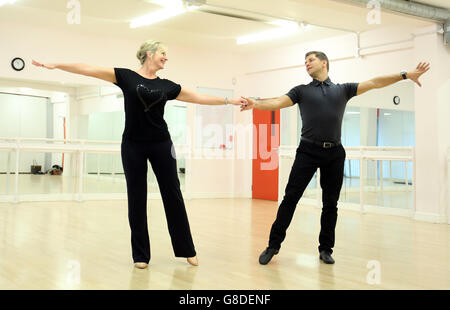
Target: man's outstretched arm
[386, 80]
[268, 104]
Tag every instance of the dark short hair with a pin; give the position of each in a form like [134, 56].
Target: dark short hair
[321, 56]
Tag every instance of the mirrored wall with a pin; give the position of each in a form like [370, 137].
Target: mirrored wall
[386, 183]
[107, 168]
[391, 186]
[33, 117]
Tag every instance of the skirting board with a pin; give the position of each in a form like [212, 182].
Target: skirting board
[431, 217]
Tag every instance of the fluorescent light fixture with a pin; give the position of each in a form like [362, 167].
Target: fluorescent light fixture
[177, 3]
[156, 17]
[305, 26]
[387, 114]
[171, 8]
[284, 23]
[168, 3]
[352, 112]
[3, 2]
[285, 28]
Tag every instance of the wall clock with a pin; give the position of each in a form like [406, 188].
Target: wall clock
[396, 100]
[18, 64]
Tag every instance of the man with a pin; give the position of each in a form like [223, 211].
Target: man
[322, 104]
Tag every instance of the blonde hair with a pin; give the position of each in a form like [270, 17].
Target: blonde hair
[151, 46]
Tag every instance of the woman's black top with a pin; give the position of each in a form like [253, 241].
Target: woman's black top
[144, 101]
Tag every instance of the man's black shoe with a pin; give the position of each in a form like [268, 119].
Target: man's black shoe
[326, 257]
[267, 255]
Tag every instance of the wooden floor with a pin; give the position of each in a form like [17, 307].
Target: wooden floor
[68, 245]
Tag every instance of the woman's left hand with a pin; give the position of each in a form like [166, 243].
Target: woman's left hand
[238, 101]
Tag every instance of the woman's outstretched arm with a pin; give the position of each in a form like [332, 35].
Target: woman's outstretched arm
[102, 73]
[187, 95]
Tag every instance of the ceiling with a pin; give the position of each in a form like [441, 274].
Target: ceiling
[205, 30]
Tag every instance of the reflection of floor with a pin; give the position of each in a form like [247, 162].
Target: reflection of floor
[69, 245]
[393, 195]
[392, 199]
[53, 184]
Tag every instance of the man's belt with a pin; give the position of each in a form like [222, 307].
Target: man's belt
[324, 144]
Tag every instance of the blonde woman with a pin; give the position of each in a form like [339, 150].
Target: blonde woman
[146, 137]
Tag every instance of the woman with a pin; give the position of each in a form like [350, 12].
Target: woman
[146, 137]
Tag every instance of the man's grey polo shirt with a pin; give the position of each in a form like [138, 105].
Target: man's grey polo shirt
[322, 106]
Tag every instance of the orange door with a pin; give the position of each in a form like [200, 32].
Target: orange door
[265, 156]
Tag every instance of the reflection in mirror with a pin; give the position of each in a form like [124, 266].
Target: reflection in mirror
[395, 128]
[103, 171]
[351, 136]
[386, 182]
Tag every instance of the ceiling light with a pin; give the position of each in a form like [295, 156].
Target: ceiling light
[171, 8]
[176, 3]
[3, 2]
[155, 17]
[305, 25]
[284, 23]
[167, 3]
[284, 28]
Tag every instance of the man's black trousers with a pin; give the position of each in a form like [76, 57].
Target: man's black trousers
[162, 159]
[308, 158]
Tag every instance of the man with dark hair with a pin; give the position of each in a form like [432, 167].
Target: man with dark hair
[322, 105]
[320, 56]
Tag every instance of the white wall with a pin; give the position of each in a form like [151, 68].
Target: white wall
[432, 129]
[266, 74]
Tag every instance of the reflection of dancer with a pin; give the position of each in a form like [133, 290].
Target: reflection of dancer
[146, 137]
[322, 104]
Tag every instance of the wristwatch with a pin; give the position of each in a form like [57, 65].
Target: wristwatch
[403, 73]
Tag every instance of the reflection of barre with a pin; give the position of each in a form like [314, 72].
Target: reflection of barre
[349, 169]
[16, 187]
[8, 172]
[381, 175]
[390, 170]
[362, 154]
[406, 175]
[361, 185]
[375, 174]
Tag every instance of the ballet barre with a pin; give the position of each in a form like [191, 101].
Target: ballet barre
[76, 147]
[361, 153]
